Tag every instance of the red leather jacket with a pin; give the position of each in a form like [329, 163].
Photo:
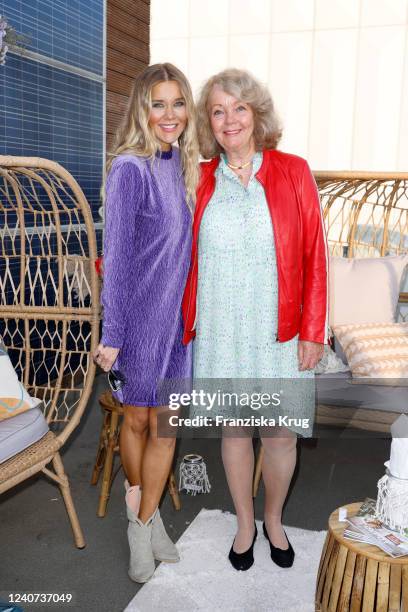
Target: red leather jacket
[300, 243]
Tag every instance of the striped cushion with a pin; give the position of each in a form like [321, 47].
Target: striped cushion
[376, 350]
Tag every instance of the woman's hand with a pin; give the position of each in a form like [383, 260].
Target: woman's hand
[309, 354]
[105, 356]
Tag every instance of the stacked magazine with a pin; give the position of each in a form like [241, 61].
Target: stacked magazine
[365, 527]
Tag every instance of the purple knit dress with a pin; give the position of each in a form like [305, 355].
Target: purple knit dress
[147, 250]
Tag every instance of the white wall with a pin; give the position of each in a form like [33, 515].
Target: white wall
[337, 69]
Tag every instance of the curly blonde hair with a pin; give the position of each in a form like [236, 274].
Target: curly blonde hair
[245, 87]
[135, 136]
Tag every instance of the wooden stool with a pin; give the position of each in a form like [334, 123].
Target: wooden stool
[108, 446]
[353, 576]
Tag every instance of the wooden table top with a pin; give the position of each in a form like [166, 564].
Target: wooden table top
[372, 552]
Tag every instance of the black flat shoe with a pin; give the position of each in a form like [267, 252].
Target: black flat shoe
[243, 561]
[283, 558]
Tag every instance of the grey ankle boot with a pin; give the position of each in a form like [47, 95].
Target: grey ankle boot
[141, 565]
[162, 547]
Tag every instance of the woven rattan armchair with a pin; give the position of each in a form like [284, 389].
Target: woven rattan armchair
[49, 307]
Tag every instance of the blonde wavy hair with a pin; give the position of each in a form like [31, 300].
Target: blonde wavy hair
[135, 136]
[246, 88]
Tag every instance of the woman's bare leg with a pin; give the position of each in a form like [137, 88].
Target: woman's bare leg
[157, 460]
[132, 441]
[278, 465]
[238, 460]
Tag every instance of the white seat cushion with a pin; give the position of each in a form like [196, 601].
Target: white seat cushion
[337, 390]
[19, 432]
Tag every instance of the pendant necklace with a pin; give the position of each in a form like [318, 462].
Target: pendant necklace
[240, 176]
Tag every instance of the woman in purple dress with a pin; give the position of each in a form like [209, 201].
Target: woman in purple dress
[150, 190]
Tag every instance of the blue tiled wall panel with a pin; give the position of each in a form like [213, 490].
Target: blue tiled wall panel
[54, 113]
[67, 30]
[50, 113]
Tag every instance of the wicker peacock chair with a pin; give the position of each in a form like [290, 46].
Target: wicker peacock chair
[49, 307]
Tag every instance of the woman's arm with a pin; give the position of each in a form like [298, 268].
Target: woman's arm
[124, 193]
[314, 320]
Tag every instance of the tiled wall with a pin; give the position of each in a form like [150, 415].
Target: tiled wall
[337, 69]
[51, 105]
[47, 111]
[67, 30]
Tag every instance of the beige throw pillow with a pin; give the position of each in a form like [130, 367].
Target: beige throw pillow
[377, 351]
[365, 290]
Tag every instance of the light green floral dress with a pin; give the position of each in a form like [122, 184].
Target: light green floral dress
[237, 303]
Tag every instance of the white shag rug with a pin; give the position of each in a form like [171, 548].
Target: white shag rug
[205, 581]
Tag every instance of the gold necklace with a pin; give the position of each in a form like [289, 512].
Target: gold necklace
[239, 167]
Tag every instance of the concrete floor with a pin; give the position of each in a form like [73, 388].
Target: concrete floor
[37, 552]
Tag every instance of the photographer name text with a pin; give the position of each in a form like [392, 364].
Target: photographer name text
[251, 421]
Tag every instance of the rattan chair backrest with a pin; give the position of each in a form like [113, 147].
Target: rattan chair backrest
[49, 294]
[366, 215]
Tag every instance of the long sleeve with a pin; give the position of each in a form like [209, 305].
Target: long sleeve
[124, 193]
[314, 322]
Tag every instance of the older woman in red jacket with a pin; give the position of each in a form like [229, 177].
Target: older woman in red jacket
[256, 294]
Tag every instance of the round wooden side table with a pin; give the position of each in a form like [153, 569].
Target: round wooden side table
[353, 576]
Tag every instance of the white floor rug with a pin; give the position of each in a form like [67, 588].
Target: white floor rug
[205, 581]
